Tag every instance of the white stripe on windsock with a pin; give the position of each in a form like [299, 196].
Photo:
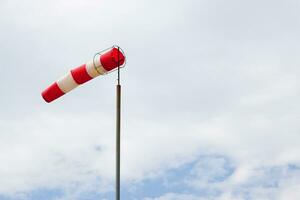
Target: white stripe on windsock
[67, 83]
[95, 69]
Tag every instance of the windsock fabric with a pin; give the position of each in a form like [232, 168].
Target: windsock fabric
[101, 64]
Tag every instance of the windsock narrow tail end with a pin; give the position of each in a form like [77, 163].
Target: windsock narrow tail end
[52, 92]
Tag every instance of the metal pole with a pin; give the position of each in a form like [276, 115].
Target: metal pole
[118, 142]
[118, 133]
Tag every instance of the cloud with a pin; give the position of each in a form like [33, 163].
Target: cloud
[40, 153]
[173, 196]
[202, 79]
[276, 182]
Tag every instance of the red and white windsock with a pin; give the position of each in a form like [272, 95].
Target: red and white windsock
[100, 65]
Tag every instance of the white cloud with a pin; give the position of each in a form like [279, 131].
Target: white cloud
[55, 151]
[174, 196]
[203, 78]
[292, 192]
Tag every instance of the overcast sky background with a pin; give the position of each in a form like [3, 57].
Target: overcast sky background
[211, 96]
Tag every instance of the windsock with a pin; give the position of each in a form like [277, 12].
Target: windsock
[102, 63]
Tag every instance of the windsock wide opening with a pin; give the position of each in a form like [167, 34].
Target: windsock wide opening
[112, 58]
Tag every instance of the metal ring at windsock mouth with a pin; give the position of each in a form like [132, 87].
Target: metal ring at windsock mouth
[95, 67]
[106, 50]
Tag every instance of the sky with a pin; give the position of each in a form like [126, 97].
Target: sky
[210, 100]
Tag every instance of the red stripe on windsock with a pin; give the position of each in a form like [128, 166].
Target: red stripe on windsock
[52, 92]
[80, 74]
[109, 60]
